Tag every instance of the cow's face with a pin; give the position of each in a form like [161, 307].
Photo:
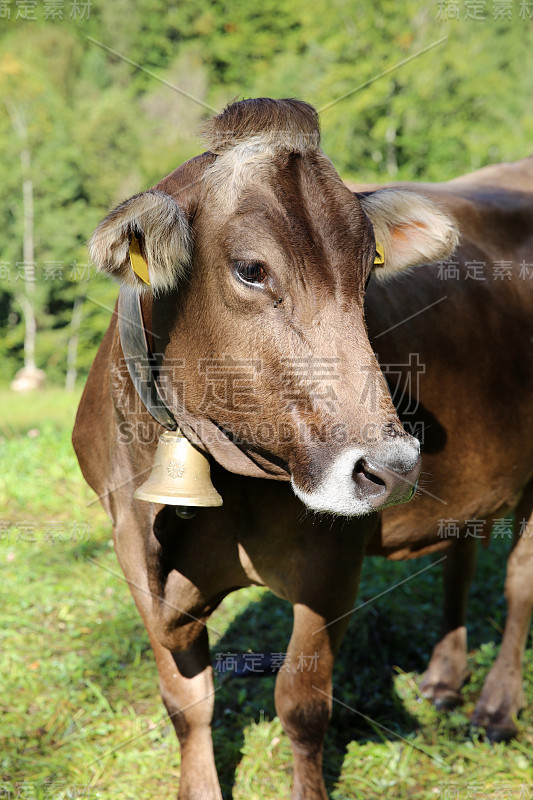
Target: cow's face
[260, 255]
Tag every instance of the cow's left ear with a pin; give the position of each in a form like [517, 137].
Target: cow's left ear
[410, 228]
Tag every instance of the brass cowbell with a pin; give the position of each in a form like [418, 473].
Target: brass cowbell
[180, 476]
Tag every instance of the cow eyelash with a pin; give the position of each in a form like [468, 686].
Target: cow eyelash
[251, 272]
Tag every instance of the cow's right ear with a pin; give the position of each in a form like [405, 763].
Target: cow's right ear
[162, 231]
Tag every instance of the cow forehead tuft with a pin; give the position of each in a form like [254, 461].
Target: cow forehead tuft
[278, 125]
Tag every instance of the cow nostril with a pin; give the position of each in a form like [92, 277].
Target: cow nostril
[384, 485]
[361, 469]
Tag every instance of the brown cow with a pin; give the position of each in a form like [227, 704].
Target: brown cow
[258, 257]
[475, 411]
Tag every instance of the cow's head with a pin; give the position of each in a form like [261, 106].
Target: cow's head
[258, 257]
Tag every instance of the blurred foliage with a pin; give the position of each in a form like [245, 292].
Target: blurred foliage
[100, 128]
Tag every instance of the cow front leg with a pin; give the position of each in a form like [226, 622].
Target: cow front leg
[447, 669]
[185, 676]
[303, 693]
[303, 700]
[186, 685]
[502, 696]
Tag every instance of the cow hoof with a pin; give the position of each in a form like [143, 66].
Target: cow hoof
[494, 733]
[443, 697]
[448, 700]
[501, 733]
[485, 725]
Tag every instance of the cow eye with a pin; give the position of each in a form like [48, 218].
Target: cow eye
[251, 271]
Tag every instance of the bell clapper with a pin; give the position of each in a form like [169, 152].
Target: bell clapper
[186, 512]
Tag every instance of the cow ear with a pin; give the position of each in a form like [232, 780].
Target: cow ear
[411, 229]
[156, 229]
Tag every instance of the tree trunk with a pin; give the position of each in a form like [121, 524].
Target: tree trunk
[26, 300]
[72, 348]
[30, 333]
[390, 138]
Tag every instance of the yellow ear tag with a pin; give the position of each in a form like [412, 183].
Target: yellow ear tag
[380, 255]
[138, 264]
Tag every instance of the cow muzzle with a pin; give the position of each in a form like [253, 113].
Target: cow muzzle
[359, 482]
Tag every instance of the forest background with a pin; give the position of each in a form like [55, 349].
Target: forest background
[94, 107]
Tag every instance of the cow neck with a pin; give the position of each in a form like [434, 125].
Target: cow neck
[136, 337]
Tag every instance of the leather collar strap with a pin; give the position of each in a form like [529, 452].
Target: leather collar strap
[142, 365]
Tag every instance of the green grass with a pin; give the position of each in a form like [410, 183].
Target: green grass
[24, 412]
[79, 703]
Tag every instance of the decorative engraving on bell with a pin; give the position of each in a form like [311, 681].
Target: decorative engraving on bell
[176, 469]
[180, 476]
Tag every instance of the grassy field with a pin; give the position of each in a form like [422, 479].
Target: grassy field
[79, 704]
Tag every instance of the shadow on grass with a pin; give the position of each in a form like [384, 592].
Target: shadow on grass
[397, 632]
[363, 680]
